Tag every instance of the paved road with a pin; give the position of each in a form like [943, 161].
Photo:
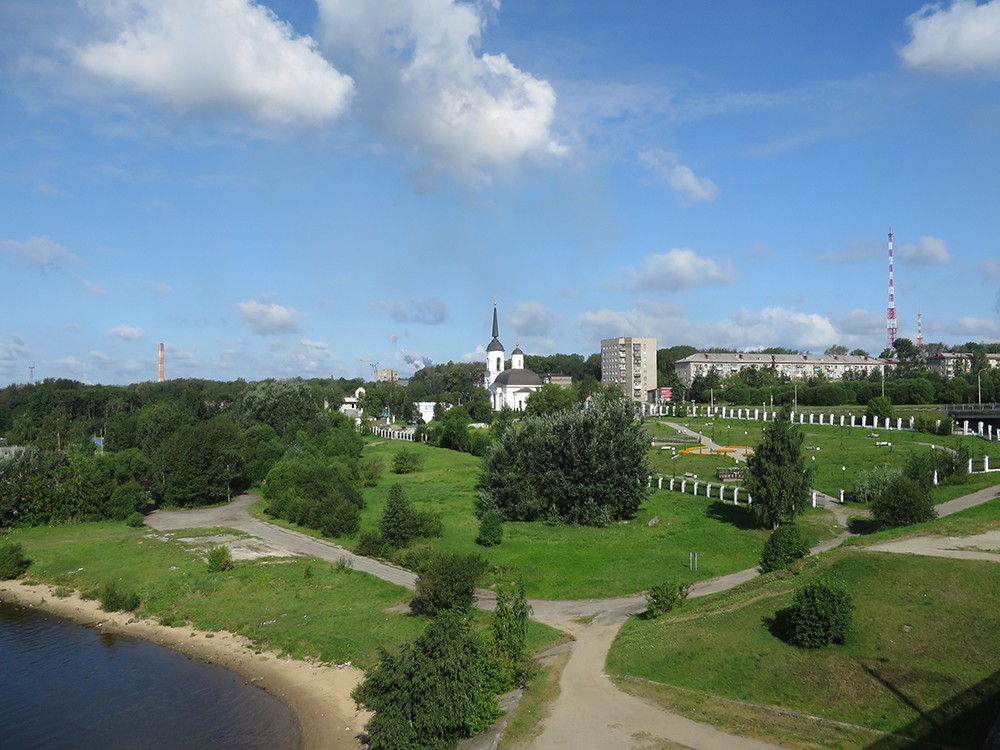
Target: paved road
[590, 713]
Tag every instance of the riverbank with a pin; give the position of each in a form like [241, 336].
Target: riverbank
[319, 695]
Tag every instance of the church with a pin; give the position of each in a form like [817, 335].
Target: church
[507, 388]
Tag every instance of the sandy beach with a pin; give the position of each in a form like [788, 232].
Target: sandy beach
[319, 695]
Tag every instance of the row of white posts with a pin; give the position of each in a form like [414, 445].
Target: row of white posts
[391, 434]
[680, 484]
[842, 420]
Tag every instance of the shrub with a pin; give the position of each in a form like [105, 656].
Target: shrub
[371, 544]
[879, 407]
[219, 558]
[449, 582]
[820, 614]
[416, 558]
[115, 599]
[904, 502]
[871, 483]
[490, 529]
[135, 520]
[407, 461]
[13, 561]
[782, 548]
[666, 596]
[339, 518]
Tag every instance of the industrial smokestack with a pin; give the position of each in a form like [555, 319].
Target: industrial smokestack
[159, 365]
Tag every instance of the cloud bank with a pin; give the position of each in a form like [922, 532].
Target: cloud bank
[961, 38]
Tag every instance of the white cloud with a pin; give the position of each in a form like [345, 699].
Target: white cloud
[430, 312]
[265, 318]
[688, 187]
[38, 251]
[533, 319]
[928, 251]
[968, 326]
[854, 251]
[421, 81]
[961, 38]
[212, 55]
[127, 333]
[316, 345]
[91, 287]
[990, 269]
[680, 269]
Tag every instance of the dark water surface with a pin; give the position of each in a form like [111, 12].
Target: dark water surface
[67, 687]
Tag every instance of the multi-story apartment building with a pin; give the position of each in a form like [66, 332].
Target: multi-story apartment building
[949, 364]
[630, 363]
[793, 366]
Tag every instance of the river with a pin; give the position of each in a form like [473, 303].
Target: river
[69, 687]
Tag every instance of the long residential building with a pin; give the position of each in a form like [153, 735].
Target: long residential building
[949, 364]
[793, 366]
[630, 363]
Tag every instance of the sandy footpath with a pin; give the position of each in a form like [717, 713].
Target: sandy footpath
[319, 695]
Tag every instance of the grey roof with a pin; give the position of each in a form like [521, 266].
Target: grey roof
[495, 346]
[518, 377]
[517, 350]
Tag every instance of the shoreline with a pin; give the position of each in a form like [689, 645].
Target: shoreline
[319, 695]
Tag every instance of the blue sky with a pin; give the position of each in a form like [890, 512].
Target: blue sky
[306, 188]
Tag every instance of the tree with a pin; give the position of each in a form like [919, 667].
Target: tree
[426, 697]
[550, 399]
[400, 523]
[879, 407]
[490, 529]
[198, 462]
[836, 350]
[820, 614]
[776, 476]
[287, 406]
[902, 502]
[585, 466]
[510, 620]
[782, 548]
[449, 582]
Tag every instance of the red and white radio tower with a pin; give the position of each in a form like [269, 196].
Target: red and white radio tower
[890, 316]
[920, 328]
[159, 365]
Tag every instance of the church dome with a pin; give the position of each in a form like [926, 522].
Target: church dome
[495, 346]
[517, 350]
[517, 377]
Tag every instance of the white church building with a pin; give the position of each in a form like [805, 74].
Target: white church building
[507, 388]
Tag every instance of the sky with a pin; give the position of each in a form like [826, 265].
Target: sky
[317, 188]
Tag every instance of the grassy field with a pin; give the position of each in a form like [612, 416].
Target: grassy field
[303, 607]
[579, 562]
[920, 662]
[838, 454]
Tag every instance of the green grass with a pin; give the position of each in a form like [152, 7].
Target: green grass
[921, 660]
[328, 614]
[570, 562]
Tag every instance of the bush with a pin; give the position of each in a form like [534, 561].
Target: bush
[449, 582]
[490, 529]
[13, 561]
[904, 502]
[782, 548]
[114, 599]
[820, 614]
[407, 461]
[339, 518]
[666, 596]
[416, 558]
[219, 558]
[371, 544]
[135, 520]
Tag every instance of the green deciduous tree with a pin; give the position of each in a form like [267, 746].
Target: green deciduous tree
[782, 548]
[776, 476]
[449, 582]
[425, 698]
[550, 399]
[902, 502]
[585, 466]
[821, 614]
